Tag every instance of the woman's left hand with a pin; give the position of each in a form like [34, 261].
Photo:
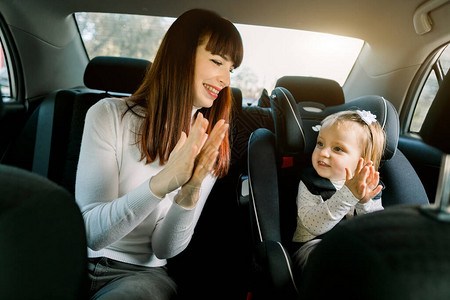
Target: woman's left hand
[204, 164]
[180, 166]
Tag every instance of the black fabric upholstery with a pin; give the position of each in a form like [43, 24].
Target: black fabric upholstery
[68, 122]
[435, 128]
[264, 99]
[236, 94]
[272, 274]
[313, 89]
[262, 149]
[115, 74]
[275, 280]
[42, 239]
[216, 262]
[63, 166]
[20, 152]
[250, 119]
[398, 253]
[112, 74]
[402, 184]
[289, 128]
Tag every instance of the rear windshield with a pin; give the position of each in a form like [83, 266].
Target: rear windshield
[269, 52]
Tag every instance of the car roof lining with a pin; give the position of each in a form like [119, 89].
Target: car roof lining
[386, 26]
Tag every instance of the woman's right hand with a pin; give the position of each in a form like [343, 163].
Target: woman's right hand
[208, 155]
[180, 165]
[205, 161]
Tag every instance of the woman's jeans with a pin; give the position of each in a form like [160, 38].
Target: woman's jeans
[111, 279]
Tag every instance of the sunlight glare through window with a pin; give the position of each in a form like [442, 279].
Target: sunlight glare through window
[269, 53]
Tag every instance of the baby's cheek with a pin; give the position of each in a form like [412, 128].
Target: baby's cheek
[352, 168]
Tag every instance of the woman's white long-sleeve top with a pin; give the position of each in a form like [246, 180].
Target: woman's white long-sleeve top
[124, 220]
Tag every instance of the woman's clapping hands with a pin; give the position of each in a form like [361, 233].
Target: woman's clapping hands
[190, 161]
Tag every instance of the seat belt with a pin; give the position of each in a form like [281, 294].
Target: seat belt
[44, 130]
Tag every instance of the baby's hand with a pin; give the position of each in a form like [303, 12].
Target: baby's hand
[364, 184]
[372, 186]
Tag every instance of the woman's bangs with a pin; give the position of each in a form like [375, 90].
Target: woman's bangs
[227, 43]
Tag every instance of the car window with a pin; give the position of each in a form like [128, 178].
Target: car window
[5, 85]
[429, 90]
[269, 53]
[445, 60]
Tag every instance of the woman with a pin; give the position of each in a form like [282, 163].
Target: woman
[148, 162]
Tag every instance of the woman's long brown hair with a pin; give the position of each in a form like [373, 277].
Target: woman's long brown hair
[166, 94]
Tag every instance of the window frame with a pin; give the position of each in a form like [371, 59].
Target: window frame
[431, 64]
[13, 63]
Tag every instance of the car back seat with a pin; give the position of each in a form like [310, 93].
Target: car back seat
[50, 144]
[309, 90]
[42, 239]
[50, 141]
[314, 93]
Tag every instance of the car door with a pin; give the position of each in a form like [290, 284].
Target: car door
[12, 105]
[424, 158]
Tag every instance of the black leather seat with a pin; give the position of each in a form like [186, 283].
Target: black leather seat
[42, 239]
[274, 161]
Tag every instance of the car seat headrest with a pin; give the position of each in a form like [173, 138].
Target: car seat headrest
[115, 74]
[296, 129]
[313, 89]
[435, 128]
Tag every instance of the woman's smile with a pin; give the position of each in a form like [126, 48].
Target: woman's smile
[213, 91]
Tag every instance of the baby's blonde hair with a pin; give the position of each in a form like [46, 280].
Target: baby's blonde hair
[374, 138]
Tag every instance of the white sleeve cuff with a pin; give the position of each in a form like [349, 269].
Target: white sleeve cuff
[139, 197]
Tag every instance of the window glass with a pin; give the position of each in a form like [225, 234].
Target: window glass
[295, 52]
[429, 91]
[423, 104]
[122, 35]
[445, 60]
[4, 76]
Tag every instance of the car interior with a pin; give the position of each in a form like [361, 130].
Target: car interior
[242, 245]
